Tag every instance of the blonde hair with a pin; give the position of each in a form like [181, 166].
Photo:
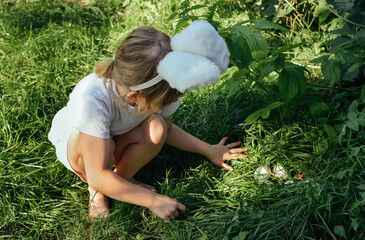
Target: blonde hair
[136, 62]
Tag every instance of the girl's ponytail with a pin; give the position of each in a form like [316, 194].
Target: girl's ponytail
[105, 68]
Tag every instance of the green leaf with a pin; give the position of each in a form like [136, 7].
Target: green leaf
[346, 30]
[288, 47]
[265, 24]
[172, 16]
[351, 115]
[362, 194]
[343, 131]
[331, 132]
[256, 42]
[362, 96]
[211, 11]
[184, 4]
[354, 125]
[253, 117]
[241, 30]
[341, 174]
[361, 186]
[264, 69]
[203, 237]
[353, 106]
[288, 88]
[324, 15]
[318, 109]
[240, 51]
[198, 6]
[240, 73]
[291, 81]
[354, 67]
[347, 57]
[340, 230]
[361, 33]
[274, 105]
[340, 42]
[283, 10]
[355, 223]
[331, 70]
[232, 88]
[320, 59]
[241, 236]
[182, 23]
[355, 151]
[265, 113]
[344, 5]
[258, 46]
[279, 62]
[321, 11]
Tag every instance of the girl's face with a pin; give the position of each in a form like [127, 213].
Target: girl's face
[135, 97]
[156, 108]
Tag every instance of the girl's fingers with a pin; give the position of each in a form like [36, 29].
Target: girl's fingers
[223, 141]
[175, 214]
[237, 150]
[232, 145]
[181, 207]
[239, 156]
[226, 166]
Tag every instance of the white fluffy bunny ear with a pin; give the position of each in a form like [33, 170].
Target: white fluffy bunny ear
[198, 58]
[184, 71]
[202, 39]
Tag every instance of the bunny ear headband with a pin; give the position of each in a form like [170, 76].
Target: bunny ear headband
[199, 56]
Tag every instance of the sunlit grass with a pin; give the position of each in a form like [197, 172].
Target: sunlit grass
[46, 47]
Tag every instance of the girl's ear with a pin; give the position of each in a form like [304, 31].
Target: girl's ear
[132, 96]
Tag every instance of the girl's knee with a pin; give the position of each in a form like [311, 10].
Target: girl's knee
[157, 129]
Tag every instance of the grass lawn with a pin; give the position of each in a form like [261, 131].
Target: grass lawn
[46, 47]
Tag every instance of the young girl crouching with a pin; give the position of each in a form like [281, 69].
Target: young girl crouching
[118, 118]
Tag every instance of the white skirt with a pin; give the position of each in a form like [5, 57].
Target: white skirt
[59, 136]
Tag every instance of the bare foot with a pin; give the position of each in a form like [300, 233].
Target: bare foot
[149, 187]
[98, 205]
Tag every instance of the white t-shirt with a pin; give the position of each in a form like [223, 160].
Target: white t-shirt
[96, 108]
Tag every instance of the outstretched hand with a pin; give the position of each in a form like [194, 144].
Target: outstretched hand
[166, 208]
[220, 153]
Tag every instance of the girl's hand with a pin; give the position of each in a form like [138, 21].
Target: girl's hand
[166, 208]
[220, 153]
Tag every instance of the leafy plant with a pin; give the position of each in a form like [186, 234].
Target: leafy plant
[261, 60]
[344, 65]
[334, 96]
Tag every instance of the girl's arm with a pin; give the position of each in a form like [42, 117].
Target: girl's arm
[217, 154]
[109, 183]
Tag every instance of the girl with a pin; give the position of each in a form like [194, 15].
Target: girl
[118, 118]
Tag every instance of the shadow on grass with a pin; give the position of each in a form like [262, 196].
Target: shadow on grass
[23, 17]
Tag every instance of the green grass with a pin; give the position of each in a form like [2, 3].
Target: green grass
[46, 47]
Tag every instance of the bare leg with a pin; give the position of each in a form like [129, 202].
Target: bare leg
[98, 204]
[130, 152]
[136, 148]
